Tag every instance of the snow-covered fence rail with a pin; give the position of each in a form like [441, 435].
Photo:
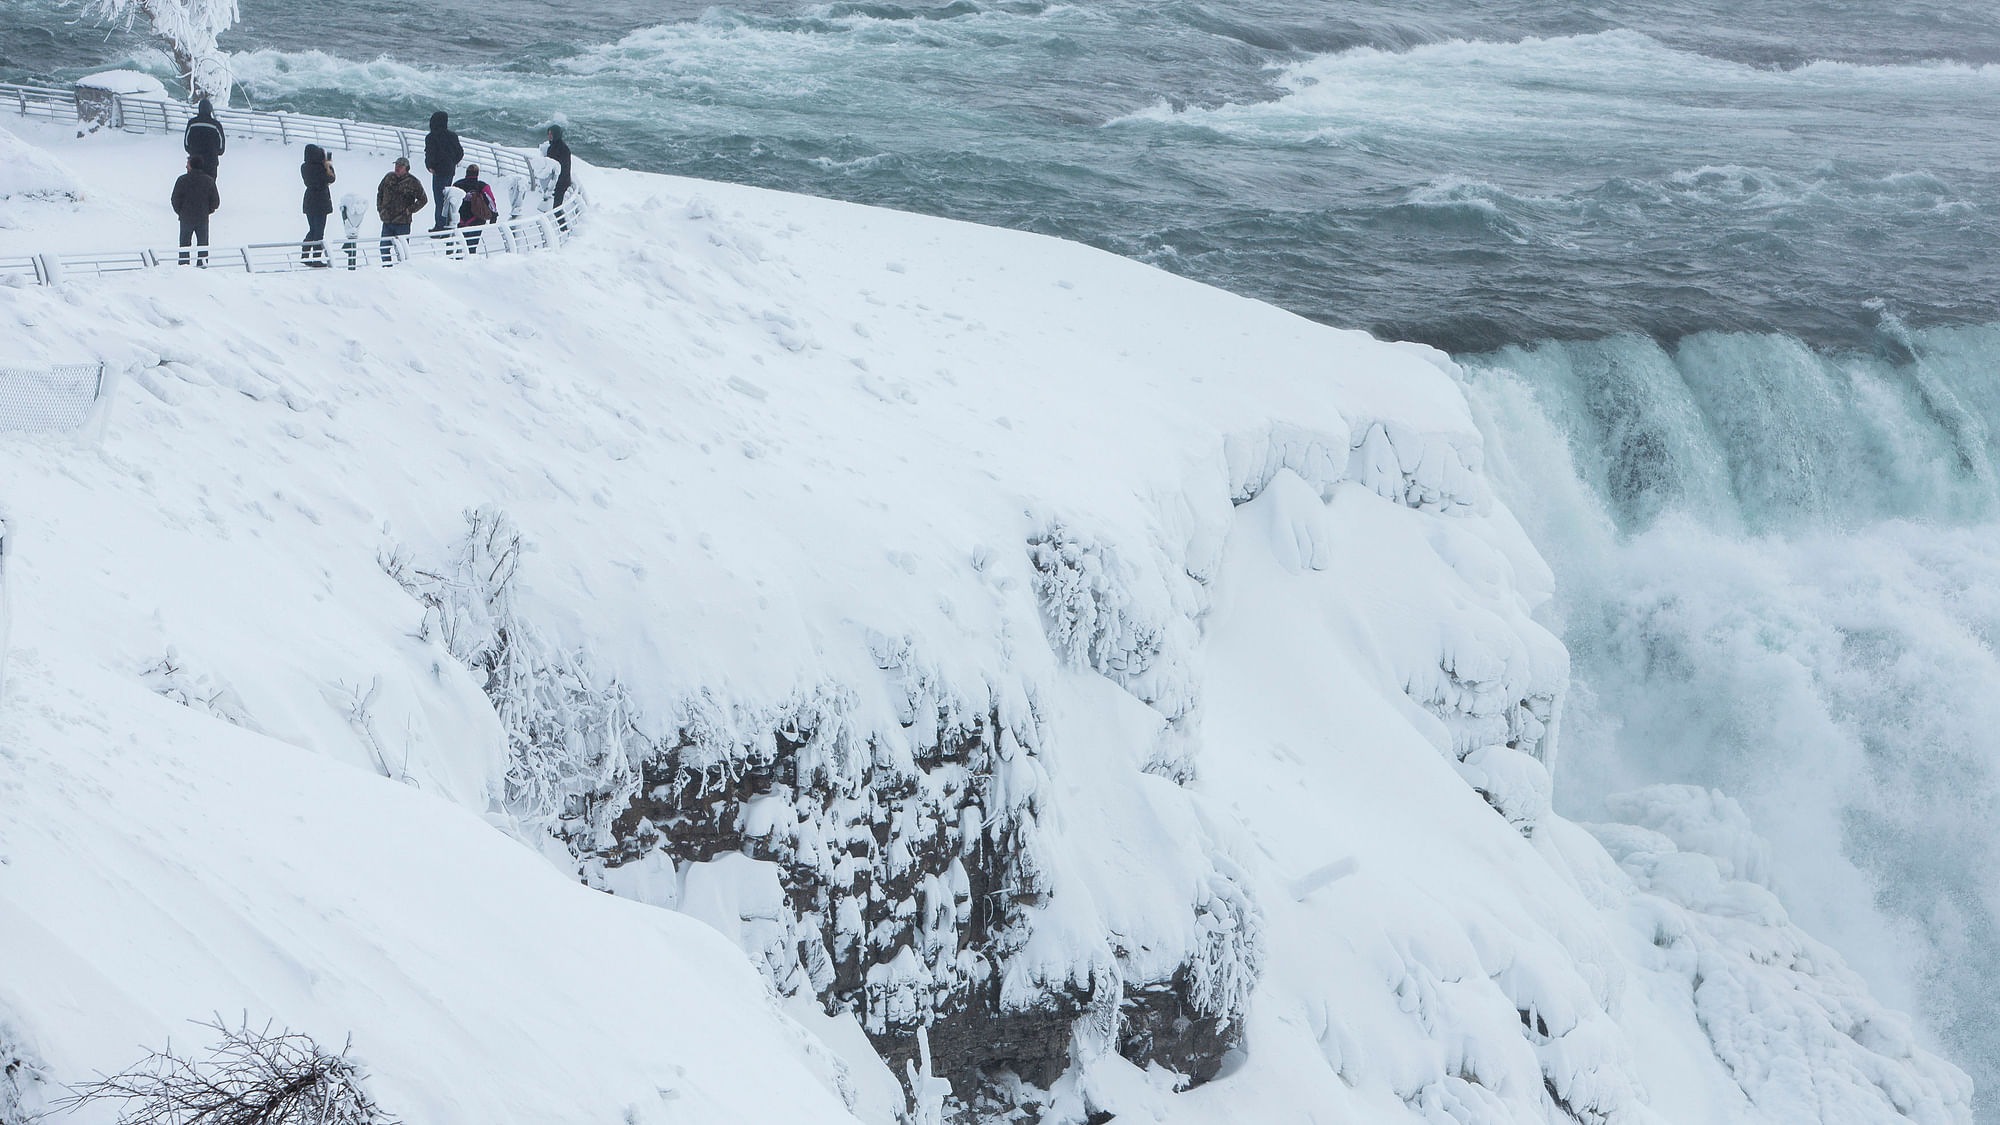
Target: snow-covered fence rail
[49, 398]
[150, 115]
[19, 265]
[545, 230]
[39, 101]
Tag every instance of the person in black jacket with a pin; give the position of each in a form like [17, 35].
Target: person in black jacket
[317, 172]
[204, 138]
[195, 199]
[558, 151]
[442, 152]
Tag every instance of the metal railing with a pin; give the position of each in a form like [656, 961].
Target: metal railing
[541, 230]
[544, 230]
[48, 398]
[40, 101]
[147, 115]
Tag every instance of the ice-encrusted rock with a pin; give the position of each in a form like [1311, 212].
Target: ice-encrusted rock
[1491, 1027]
[1699, 820]
[1317, 457]
[1429, 472]
[1514, 783]
[901, 874]
[1783, 1013]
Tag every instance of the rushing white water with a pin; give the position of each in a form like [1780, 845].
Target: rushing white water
[1779, 574]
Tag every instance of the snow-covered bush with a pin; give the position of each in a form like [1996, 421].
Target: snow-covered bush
[189, 29]
[173, 678]
[571, 737]
[23, 1079]
[1221, 977]
[1129, 623]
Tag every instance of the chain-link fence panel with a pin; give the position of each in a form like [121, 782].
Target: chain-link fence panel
[48, 398]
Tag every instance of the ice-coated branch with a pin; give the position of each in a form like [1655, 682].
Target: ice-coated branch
[190, 28]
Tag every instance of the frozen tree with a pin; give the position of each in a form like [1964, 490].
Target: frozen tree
[190, 28]
[572, 730]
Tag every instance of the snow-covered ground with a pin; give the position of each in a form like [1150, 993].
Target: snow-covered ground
[1223, 591]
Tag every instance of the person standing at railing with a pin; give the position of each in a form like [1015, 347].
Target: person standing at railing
[204, 137]
[479, 207]
[558, 150]
[317, 172]
[398, 198]
[195, 199]
[442, 152]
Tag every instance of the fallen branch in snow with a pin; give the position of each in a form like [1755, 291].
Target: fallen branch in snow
[251, 1077]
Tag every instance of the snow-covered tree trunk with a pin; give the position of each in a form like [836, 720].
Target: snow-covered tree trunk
[190, 28]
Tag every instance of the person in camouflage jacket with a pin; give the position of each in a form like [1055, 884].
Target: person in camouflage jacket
[397, 198]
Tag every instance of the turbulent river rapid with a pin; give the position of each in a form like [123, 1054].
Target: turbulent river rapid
[1726, 285]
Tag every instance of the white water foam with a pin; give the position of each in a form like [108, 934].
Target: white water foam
[1779, 574]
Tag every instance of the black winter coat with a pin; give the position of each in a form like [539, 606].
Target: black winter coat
[442, 152]
[203, 136]
[317, 172]
[559, 152]
[195, 197]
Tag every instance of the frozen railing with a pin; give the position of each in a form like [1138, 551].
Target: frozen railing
[150, 115]
[544, 230]
[147, 115]
[48, 398]
[39, 101]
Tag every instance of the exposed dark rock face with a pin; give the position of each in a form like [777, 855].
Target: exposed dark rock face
[1162, 1025]
[907, 879]
[912, 862]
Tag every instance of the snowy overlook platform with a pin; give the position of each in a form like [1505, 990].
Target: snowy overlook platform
[1258, 650]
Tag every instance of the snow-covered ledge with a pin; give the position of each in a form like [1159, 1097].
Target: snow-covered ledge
[97, 95]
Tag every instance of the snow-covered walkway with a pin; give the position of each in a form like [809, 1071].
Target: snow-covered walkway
[123, 221]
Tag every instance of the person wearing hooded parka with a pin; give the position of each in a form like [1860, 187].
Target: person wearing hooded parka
[442, 154]
[203, 138]
[194, 200]
[317, 172]
[558, 150]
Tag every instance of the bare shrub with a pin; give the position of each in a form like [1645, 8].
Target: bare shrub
[253, 1076]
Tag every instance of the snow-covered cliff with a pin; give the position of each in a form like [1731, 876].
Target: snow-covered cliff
[1116, 696]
